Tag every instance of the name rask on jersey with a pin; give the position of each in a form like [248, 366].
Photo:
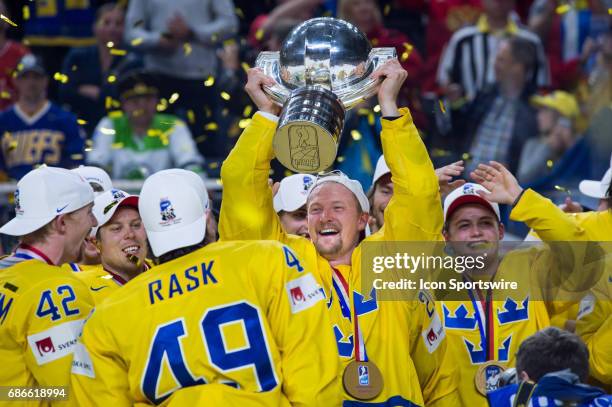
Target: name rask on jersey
[179, 283]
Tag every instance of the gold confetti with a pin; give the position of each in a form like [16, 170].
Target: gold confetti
[245, 66]
[228, 42]
[387, 9]
[562, 9]
[248, 109]
[5, 18]
[213, 165]
[116, 146]
[225, 95]
[207, 111]
[73, 68]
[363, 112]
[466, 157]
[12, 145]
[76, 156]
[110, 44]
[209, 81]
[355, 135]
[610, 11]
[259, 34]
[288, 173]
[563, 189]
[108, 102]
[81, 122]
[187, 48]
[239, 12]
[377, 108]
[26, 13]
[5, 95]
[173, 98]
[190, 116]
[136, 42]
[340, 159]
[374, 42]
[442, 108]
[107, 131]
[371, 119]
[200, 139]
[549, 163]
[224, 112]
[219, 182]
[89, 143]
[438, 152]
[111, 78]
[57, 76]
[120, 52]
[243, 123]
[211, 126]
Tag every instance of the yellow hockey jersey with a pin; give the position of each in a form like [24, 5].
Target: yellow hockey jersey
[237, 322]
[415, 371]
[42, 311]
[101, 283]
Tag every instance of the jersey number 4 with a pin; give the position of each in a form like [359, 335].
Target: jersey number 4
[166, 346]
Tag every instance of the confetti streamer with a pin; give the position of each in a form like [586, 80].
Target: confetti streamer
[355, 135]
[245, 66]
[442, 108]
[173, 98]
[225, 95]
[8, 20]
[81, 122]
[26, 13]
[136, 42]
[247, 111]
[209, 81]
[211, 126]
[119, 52]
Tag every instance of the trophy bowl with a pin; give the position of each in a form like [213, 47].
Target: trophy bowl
[322, 70]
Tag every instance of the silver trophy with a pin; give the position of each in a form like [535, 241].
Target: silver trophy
[322, 70]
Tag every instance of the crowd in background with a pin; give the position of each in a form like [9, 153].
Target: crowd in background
[523, 82]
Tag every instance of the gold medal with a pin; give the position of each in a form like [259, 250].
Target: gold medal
[487, 377]
[362, 380]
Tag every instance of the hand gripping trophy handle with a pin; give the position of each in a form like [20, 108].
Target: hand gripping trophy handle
[315, 85]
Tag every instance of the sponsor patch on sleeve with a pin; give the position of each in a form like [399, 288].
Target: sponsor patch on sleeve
[81, 362]
[56, 342]
[303, 292]
[587, 305]
[434, 334]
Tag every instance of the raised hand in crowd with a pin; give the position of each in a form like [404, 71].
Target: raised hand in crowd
[445, 175]
[256, 79]
[502, 185]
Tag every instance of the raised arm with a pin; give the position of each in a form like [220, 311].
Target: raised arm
[247, 211]
[415, 211]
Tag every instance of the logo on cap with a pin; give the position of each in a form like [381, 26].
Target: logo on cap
[307, 182]
[18, 209]
[468, 189]
[166, 211]
[117, 194]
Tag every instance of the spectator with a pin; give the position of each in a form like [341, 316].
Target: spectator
[551, 365]
[599, 84]
[139, 141]
[179, 38]
[36, 131]
[498, 122]
[476, 47]
[52, 27]
[11, 53]
[92, 70]
[557, 113]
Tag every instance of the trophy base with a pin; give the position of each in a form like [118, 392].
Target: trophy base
[309, 130]
[303, 146]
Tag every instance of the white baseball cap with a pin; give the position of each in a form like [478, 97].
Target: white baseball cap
[95, 175]
[597, 189]
[353, 185]
[381, 169]
[293, 192]
[192, 179]
[467, 193]
[107, 203]
[172, 212]
[44, 193]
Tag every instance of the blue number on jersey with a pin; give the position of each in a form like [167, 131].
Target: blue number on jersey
[46, 307]
[292, 260]
[166, 342]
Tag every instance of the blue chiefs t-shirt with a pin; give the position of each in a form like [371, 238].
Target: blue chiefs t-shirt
[52, 136]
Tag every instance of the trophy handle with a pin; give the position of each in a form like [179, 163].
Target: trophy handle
[269, 62]
[357, 93]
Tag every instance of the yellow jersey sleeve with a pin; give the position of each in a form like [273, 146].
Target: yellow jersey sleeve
[247, 211]
[414, 212]
[431, 355]
[43, 310]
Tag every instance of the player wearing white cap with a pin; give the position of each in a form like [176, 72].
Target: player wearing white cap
[231, 323]
[42, 306]
[381, 191]
[594, 316]
[290, 202]
[121, 241]
[413, 371]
